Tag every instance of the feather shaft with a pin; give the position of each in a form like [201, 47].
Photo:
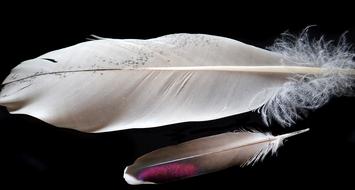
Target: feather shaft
[256, 69]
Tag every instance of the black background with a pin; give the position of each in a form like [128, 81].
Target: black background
[33, 152]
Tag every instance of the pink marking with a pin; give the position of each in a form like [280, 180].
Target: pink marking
[167, 172]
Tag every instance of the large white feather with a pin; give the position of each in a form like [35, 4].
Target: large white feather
[112, 84]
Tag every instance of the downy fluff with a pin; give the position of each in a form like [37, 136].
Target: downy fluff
[306, 92]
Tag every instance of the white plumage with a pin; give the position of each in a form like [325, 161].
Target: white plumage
[112, 84]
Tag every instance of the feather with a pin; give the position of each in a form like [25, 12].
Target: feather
[202, 156]
[115, 84]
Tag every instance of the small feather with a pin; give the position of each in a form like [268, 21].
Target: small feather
[202, 156]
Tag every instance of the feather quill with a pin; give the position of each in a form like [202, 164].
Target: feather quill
[115, 84]
[202, 156]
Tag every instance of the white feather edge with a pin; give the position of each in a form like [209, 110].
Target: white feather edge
[133, 180]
